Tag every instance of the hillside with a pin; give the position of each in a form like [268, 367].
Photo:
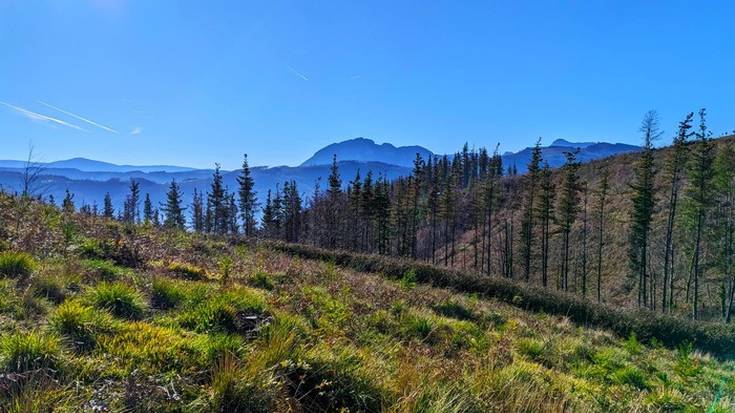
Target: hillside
[98, 315]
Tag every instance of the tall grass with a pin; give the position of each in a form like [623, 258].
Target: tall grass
[16, 264]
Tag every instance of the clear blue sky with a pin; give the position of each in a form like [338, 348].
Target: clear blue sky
[193, 82]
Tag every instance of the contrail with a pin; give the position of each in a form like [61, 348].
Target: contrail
[93, 123]
[37, 116]
[297, 73]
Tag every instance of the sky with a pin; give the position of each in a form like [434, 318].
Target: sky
[193, 83]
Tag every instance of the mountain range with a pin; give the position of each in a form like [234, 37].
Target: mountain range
[90, 179]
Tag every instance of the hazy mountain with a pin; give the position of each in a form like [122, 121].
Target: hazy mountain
[366, 150]
[554, 154]
[89, 179]
[89, 165]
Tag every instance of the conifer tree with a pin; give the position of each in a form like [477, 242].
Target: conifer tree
[147, 209]
[527, 220]
[568, 208]
[699, 201]
[197, 212]
[173, 212]
[67, 205]
[545, 215]
[643, 203]
[674, 169]
[724, 226]
[108, 211]
[130, 210]
[583, 269]
[602, 193]
[334, 207]
[216, 204]
[232, 227]
[248, 198]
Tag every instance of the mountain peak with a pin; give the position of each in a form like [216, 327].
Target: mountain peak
[364, 150]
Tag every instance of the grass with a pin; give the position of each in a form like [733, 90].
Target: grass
[119, 299]
[285, 333]
[22, 352]
[16, 264]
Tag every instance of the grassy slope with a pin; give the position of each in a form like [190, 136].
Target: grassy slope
[189, 324]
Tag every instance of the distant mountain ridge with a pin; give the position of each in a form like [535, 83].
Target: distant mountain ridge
[363, 150]
[90, 179]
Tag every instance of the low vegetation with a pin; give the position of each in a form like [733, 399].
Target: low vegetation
[272, 328]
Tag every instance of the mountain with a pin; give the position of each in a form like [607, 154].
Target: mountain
[554, 154]
[89, 165]
[90, 179]
[364, 150]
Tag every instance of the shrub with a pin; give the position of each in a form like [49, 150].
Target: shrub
[16, 264]
[80, 324]
[119, 299]
[21, 352]
[187, 271]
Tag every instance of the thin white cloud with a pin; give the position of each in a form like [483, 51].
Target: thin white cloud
[297, 73]
[91, 122]
[136, 130]
[40, 117]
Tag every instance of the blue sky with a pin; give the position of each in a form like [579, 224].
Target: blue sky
[191, 83]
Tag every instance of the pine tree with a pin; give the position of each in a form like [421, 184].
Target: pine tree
[568, 208]
[67, 205]
[291, 212]
[699, 201]
[585, 203]
[147, 209]
[545, 215]
[334, 204]
[216, 204]
[268, 215]
[197, 212]
[602, 193]
[131, 213]
[232, 227]
[673, 171]
[248, 198]
[527, 220]
[173, 213]
[108, 211]
[724, 226]
[643, 203]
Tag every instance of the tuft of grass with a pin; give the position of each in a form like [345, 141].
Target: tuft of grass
[187, 271]
[167, 294]
[418, 326]
[49, 287]
[231, 311]
[408, 279]
[117, 298]
[104, 270]
[16, 264]
[21, 352]
[631, 376]
[80, 324]
[235, 390]
[455, 309]
[262, 280]
[531, 347]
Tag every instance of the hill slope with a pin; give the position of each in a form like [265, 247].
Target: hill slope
[136, 319]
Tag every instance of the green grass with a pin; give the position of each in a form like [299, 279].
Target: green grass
[80, 325]
[119, 299]
[21, 352]
[16, 264]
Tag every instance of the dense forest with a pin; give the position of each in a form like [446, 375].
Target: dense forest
[654, 229]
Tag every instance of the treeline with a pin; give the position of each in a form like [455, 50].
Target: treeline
[547, 227]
